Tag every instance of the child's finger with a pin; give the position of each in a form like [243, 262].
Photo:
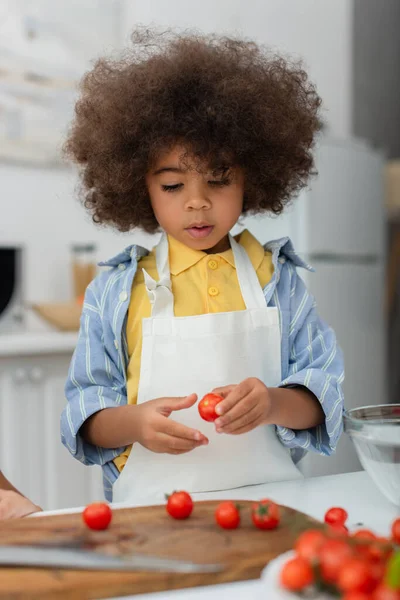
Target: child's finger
[178, 430]
[250, 417]
[223, 391]
[176, 445]
[241, 408]
[238, 392]
[181, 403]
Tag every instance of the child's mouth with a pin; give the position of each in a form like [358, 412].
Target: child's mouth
[200, 231]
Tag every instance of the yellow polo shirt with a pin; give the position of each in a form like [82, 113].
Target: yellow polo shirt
[201, 283]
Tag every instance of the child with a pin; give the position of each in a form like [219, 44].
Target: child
[13, 504]
[185, 135]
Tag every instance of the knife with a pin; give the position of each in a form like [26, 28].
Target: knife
[62, 558]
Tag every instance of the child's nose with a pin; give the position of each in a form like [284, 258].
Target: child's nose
[197, 201]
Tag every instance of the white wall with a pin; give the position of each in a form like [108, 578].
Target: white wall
[319, 31]
[39, 209]
[39, 206]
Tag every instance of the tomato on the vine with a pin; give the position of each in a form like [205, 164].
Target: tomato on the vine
[338, 529]
[333, 554]
[265, 514]
[384, 592]
[355, 576]
[207, 406]
[336, 515]
[296, 574]
[396, 530]
[356, 596]
[227, 515]
[179, 505]
[364, 534]
[309, 543]
[97, 515]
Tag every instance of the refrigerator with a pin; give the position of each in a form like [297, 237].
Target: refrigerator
[338, 226]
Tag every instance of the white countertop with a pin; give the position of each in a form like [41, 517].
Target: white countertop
[33, 343]
[353, 491]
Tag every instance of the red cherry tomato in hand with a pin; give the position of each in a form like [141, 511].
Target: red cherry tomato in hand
[336, 516]
[227, 515]
[396, 530]
[97, 515]
[265, 514]
[207, 407]
[308, 544]
[179, 505]
[296, 574]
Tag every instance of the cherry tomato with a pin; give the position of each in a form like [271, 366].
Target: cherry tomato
[296, 574]
[265, 514]
[379, 552]
[384, 592]
[97, 515]
[377, 570]
[207, 407]
[309, 543]
[396, 530]
[356, 596]
[338, 529]
[336, 515]
[179, 505]
[227, 515]
[364, 534]
[333, 554]
[355, 576]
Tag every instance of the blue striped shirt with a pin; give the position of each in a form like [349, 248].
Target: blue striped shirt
[310, 356]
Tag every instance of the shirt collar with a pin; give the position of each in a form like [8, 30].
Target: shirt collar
[182, 258]
[279, 248]
[254, 250]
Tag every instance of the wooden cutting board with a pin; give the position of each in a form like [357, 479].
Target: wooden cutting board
[148, 530]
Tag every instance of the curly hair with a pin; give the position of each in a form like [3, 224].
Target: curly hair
[225, 100]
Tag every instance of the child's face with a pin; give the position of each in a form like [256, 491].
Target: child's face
[196, 208]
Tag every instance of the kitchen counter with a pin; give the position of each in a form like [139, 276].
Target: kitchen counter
[35, 343]
[354, 491]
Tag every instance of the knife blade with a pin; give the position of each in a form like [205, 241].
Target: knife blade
[62, 558]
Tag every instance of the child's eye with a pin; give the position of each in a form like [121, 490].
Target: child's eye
[219, 182]
[171, 188]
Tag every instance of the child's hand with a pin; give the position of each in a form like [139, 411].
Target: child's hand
[158, 433]
[14, 505]
[245, 406]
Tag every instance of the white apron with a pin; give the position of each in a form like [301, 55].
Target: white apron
[185, 355]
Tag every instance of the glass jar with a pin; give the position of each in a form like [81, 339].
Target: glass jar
[83, 268]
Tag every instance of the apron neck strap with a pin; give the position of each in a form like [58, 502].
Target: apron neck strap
[252, 293]
[250, 287]
[160, 292]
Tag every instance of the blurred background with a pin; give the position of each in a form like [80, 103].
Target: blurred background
[346, 224]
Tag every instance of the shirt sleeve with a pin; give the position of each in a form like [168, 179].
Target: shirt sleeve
[315, 362]
[94, 383]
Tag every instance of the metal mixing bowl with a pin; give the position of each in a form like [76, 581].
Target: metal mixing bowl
[375, 432]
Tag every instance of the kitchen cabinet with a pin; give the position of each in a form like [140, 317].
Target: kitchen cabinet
[31, 453]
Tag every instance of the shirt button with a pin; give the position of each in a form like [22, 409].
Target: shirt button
[282, 260]
[121, 267]
[123, 296]
[213, 291]
[213, 264]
